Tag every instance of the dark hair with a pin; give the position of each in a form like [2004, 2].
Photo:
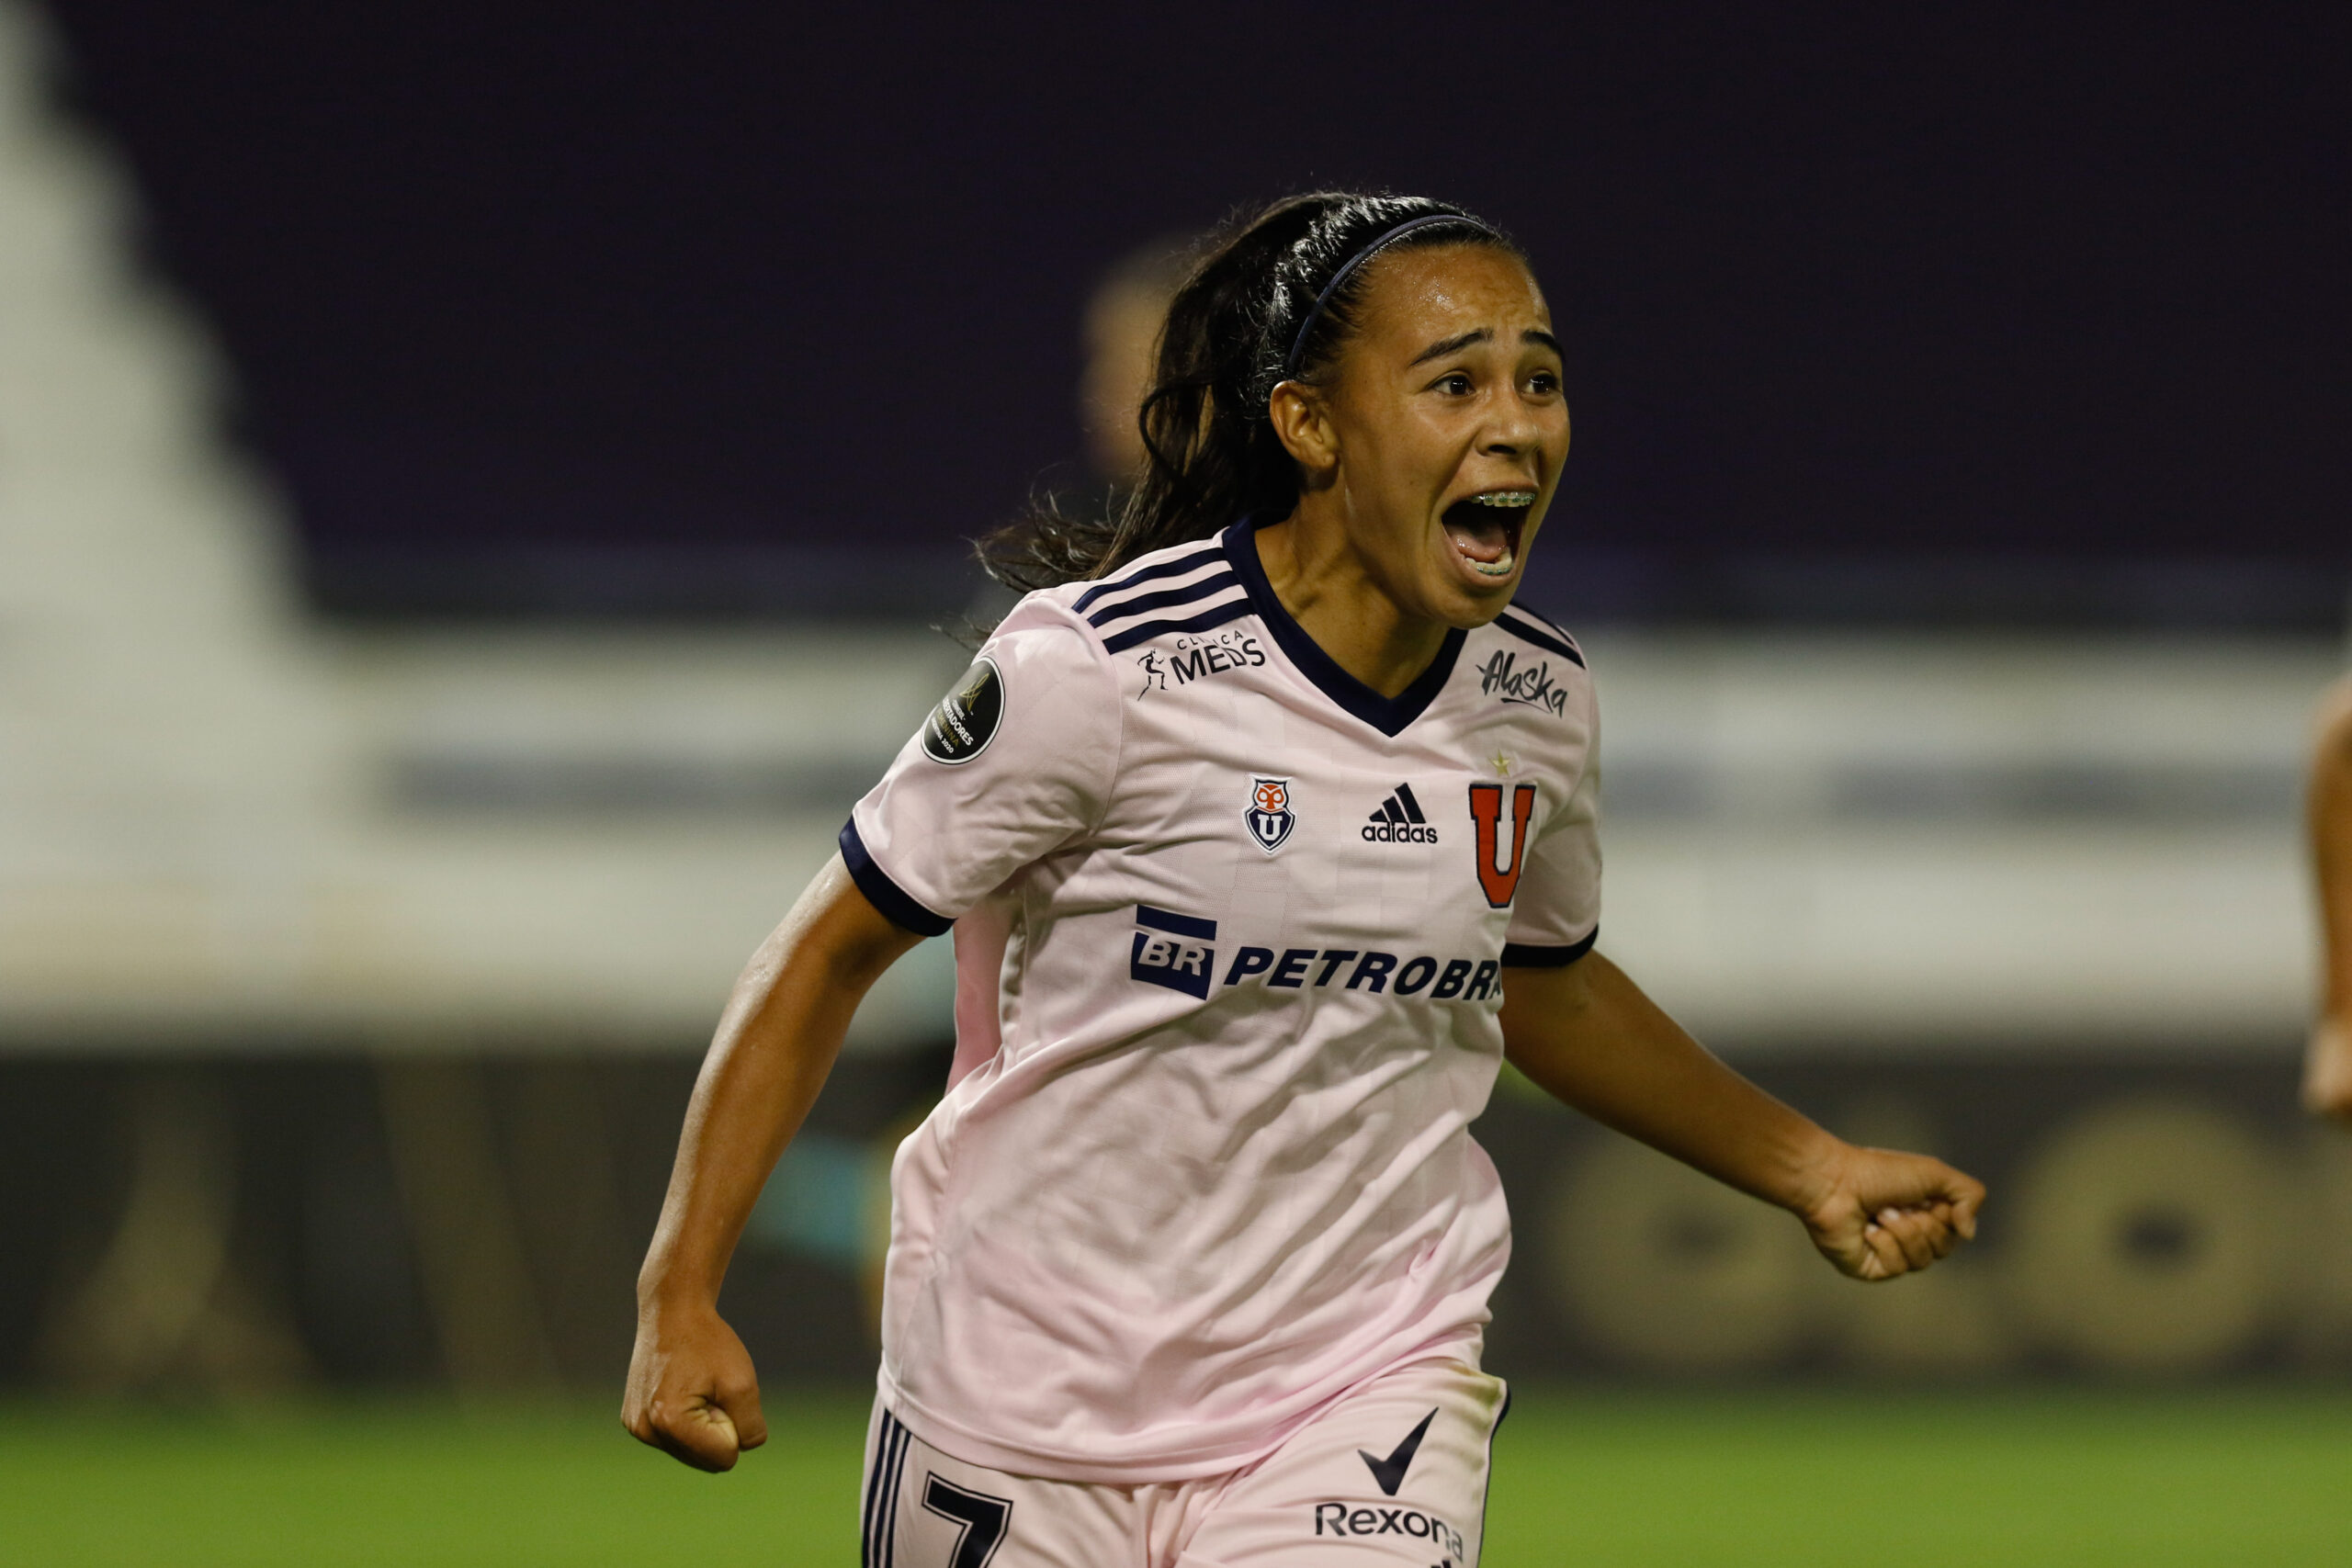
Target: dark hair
[1232, 329]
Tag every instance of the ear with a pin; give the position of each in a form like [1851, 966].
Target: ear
[1303, 423]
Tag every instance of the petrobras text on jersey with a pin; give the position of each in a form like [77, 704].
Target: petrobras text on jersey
[1179, 952]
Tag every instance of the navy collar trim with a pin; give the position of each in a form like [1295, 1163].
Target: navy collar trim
[1388, 714]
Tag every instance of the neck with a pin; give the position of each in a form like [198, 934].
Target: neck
[1330, 592]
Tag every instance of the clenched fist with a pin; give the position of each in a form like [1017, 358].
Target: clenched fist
[1878, 1213]
[692, 1393]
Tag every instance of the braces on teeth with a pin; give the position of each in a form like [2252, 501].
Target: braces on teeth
[1500, 500]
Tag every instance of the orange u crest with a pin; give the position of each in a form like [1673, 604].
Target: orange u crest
[1499, 881]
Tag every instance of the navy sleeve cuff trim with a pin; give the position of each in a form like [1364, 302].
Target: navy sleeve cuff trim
[886, 895]
[1528, 956]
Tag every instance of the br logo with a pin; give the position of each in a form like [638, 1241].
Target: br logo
[1174, 951]
[1269, 815]
[1497, 876]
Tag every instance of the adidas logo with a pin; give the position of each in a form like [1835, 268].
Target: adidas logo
[1399, 820]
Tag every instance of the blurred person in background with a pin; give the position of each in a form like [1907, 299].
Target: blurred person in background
[2327, 1070]
[1267, 828]
[1121, 328]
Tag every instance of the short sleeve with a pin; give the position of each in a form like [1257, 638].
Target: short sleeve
[1015, 761]
[1556, 916]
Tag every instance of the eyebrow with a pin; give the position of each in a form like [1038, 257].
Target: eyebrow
[1440, 349]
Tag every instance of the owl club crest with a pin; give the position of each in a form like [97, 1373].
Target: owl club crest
[1268, 814]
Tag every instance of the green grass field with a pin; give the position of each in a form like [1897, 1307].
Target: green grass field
[1582, 1477]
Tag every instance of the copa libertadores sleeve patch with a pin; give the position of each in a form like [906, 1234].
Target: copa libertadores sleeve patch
[967, 717]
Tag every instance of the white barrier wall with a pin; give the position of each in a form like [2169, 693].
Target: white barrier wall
[1961, 839]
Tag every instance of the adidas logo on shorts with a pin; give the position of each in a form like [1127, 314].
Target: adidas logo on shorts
[1399, 820]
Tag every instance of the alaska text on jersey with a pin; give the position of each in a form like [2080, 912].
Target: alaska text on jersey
[1501, 676]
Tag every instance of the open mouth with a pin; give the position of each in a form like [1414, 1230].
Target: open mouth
[1485, 529]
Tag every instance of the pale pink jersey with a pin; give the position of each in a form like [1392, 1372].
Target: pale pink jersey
[1229, 936]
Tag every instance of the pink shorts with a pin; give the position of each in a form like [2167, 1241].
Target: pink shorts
[1394, 1472]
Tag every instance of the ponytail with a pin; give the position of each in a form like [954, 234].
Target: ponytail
[1273, 300]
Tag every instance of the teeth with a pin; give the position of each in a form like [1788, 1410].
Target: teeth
[1512, 497]
[1496, 567]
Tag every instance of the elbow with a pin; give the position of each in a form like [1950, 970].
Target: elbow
[859, 960]
[2331, 780]
[2335, 725]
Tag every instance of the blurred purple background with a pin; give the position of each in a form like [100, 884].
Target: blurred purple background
[1852, 300]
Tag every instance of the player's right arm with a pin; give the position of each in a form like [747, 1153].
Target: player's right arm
[2327, 1078]
[1015, 761]
[692, 1392]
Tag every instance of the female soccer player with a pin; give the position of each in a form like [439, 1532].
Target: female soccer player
[1266, 831]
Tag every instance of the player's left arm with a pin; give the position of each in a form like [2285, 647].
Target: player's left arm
[1588, 1035]
[2327, 1076]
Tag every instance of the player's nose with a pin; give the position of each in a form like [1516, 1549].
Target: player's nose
[1512, 430]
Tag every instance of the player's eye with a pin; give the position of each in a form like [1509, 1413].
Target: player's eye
[1543, 383]
[1456, 383]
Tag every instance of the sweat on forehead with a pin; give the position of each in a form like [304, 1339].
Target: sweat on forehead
[1452, 225]
[1411, 312]
[1307, 329]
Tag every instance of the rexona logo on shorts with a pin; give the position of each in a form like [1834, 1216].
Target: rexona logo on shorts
[1174, 951]
[1398, 820]
[966, 720]
[1348, 1520]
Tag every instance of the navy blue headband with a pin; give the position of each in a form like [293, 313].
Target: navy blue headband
[1372, 248]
